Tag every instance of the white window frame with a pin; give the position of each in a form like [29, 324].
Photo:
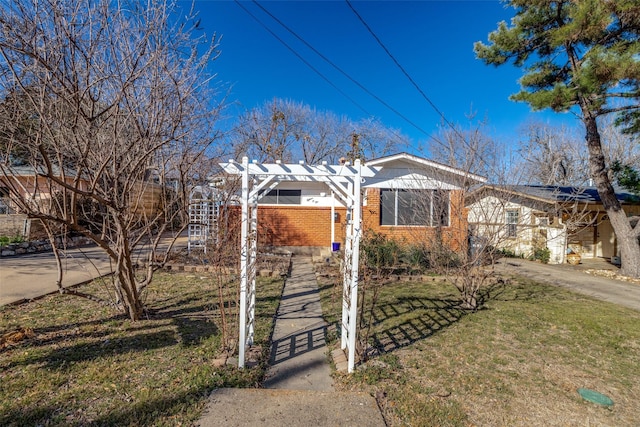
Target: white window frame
[512, 227]
[427, 197]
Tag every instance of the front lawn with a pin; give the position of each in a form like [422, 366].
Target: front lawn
[516, 362]
[84, 364]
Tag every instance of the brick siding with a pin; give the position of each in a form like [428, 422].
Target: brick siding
[311, 226]
[298, 225]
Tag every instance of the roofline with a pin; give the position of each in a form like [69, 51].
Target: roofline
[512, 192]
[537, 198]
[425, 162]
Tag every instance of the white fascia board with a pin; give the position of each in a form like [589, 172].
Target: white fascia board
[413, 181]
[422, 163]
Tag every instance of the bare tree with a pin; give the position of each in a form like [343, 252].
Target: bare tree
[469, 148]
[554, 155]
[115, 111]
[289, 131]
[450, 246]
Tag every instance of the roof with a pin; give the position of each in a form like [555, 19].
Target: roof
[422, 162]
[30, 170]
[559, 194]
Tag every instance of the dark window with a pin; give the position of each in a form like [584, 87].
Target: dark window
[414, 207]
[5, 202]
[512, 216]
[282, 197]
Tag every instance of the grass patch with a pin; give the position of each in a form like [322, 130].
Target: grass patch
[88, 365]
[518, 361]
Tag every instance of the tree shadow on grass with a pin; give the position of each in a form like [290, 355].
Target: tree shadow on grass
[163, 408]
[422, 318]
[187, 327]
[520, 288]
[411, 319]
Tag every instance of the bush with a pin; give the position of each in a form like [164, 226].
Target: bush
[541, 254]
[380, 251]
[5, 240]
[508, 253]
[417, 256]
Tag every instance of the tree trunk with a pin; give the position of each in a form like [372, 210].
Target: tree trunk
[627, 240]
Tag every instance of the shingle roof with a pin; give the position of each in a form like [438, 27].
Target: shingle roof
[555, 194]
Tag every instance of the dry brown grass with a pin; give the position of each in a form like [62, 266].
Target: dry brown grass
[80, 363]
[517, 362]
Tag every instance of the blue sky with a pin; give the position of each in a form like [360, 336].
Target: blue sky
[432, 40]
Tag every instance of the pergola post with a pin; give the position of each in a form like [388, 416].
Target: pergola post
[244, 261]
[355, 226]
[345, 182]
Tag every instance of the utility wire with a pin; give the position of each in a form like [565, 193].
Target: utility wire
[357, 83]
[413, 82]
[399, 65]
[302, 59]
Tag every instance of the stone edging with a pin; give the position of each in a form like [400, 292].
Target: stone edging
[37, 246]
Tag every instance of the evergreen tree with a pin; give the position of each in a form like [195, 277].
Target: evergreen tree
[627, 177]
[584, 56]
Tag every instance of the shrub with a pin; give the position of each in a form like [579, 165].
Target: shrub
[541, 254]
[5, 240]
[508, 253]
[380, 251]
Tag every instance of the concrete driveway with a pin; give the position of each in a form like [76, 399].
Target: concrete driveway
[30, 276]
[625, 293]
[24, 277]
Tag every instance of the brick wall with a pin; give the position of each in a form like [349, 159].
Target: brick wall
[298, 226]
[311, 226]
[453, 236]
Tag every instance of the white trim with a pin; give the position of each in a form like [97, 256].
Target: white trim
[425, 163]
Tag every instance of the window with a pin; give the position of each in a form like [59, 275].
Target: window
[414, 207]
[282, 197]
[5, 202]
[512, 216]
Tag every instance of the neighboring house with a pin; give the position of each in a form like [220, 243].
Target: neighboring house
[410, 197]
[522, 218]
[29, 185]
[25, 182]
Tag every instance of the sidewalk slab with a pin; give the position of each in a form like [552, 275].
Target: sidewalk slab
[291, 408]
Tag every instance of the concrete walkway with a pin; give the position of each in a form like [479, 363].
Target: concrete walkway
[575, 278]
[298, 349]
[298, 387]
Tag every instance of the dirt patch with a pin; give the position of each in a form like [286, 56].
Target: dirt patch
[15, 336]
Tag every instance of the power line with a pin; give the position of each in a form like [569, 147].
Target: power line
[357, 83]
[302, 59]
[424, 95]
[351, 78]
[413, 82]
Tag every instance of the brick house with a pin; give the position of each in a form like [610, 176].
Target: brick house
[409, 198]
[24, 186]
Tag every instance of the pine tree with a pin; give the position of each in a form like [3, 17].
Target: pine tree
[583, 56]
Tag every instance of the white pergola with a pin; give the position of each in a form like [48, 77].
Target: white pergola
[345, 181]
